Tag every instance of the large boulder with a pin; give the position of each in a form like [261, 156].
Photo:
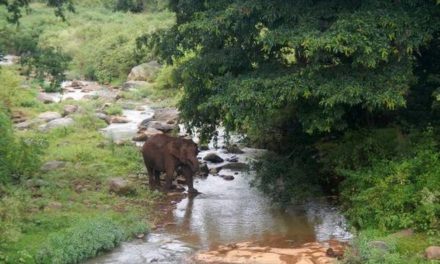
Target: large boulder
[168, 115]
[234, 149]
[49, 116]
[56, 123]
[433, 253]
[144, 72]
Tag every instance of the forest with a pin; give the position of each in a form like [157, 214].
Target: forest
[344, 95]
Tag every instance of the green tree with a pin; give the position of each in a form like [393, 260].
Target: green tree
[326, 65]
[15, 8]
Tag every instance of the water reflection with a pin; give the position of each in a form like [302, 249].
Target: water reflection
[231, 211]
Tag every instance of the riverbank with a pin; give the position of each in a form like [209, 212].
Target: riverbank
[90, 193]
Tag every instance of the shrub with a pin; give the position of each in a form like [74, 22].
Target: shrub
[84, 240]
[395, 194]
[19, 157]
[49, 64]
[9, 82]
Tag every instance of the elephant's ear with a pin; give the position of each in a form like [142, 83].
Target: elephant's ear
[176, 150]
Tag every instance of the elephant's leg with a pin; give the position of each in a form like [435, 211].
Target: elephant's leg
[189, 180]
[151, 176]
[157, 177]
[169, 178]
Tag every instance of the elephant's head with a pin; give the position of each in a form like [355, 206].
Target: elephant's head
[185, 150]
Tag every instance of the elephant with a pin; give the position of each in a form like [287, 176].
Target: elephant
[163, 153]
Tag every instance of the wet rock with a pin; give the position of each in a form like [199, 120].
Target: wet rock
[140, 236]
[140, 108]
[57, 123]
[53, 165]
[432, 253]
[214, 158]
[121, 186]
[310, 253]
[162, 126]
[76, 84]
[144, 72]
[232, 159]
[227, 177]
[49, 116]
[204, 170]
[69, 109]
[238, 166]
[234, 149]
[214, 171]
[119, 120]
[45, 98]
[203, 148]
[144, 123]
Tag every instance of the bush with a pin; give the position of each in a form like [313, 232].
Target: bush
[84, 240]
[48, 64]
[19, 157]
[9, 83]
[396, 194]
[137, 6]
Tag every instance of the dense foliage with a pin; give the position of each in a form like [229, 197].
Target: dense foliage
[338, 88]
[19, 157]
[15, 8]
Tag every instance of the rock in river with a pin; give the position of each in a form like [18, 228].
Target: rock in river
[214, 158]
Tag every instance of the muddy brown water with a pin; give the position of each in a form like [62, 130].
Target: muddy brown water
[229, 212]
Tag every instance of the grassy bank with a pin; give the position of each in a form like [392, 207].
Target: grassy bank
[101, 42]
[67, 214]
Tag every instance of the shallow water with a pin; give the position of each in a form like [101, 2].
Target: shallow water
[228, 212]
[126, 131]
